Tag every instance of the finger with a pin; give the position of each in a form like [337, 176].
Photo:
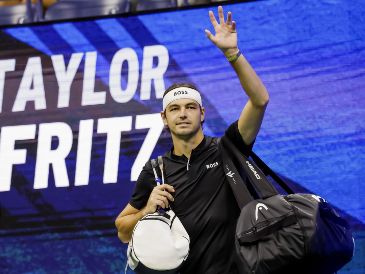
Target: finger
[212, 19]
[168, 187]
[162, 201]
[233, 29]
[168, 196]
[165, 194]
[221, 15]
[159, 188]
[209, 35]
[166, 202]
[159, 203]
[229, 18]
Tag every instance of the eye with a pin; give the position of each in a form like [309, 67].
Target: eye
[191, 107]
[173, 109]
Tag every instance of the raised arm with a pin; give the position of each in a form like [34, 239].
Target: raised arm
[225, 39]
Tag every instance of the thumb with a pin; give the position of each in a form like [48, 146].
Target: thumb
[209, 35]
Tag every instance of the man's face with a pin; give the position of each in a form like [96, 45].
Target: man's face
[183, 117]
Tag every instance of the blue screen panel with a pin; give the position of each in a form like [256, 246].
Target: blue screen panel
[80, 105]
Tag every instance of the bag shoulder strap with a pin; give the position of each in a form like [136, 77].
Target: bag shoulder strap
[238, 186]
[269, 172]
[252, 174]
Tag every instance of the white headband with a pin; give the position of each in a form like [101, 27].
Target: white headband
[181, 93]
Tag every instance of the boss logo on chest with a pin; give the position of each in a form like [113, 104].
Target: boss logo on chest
[212, 165]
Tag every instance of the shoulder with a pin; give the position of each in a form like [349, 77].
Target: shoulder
[210, 142]
[235, 137]
[147, 166]
[214, 141]
[146, 173]
[143, 187]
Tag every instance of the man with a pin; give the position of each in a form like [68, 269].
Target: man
[196, 187]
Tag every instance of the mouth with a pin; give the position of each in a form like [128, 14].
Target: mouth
[183, 124]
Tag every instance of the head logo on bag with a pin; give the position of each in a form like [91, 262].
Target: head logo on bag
[259, 206]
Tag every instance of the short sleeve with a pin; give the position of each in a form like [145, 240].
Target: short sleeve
[144, 186]
[234, 135]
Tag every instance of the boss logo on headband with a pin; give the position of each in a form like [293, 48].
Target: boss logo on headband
[180, 92]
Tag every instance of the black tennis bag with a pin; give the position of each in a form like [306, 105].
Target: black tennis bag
[295, 233]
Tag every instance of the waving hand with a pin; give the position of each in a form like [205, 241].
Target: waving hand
[225, 37]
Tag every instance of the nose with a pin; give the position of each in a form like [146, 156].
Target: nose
[182, 112]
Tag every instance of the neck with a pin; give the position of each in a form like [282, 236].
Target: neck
[186, 145]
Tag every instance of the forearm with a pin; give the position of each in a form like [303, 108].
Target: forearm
[128, 218]
[126, 224]
[249, 80]
[226, 40]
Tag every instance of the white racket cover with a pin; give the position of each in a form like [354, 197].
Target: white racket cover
[159, 241]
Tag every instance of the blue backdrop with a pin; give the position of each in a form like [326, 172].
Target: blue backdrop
[309, 54]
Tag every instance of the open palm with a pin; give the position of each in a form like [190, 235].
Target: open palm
[225, 31]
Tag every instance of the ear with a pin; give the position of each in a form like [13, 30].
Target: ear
[202, 116]
[164, 120]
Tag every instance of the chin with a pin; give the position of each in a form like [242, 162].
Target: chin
[185, 132]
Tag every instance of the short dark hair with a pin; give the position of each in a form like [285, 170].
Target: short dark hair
[179, 85]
